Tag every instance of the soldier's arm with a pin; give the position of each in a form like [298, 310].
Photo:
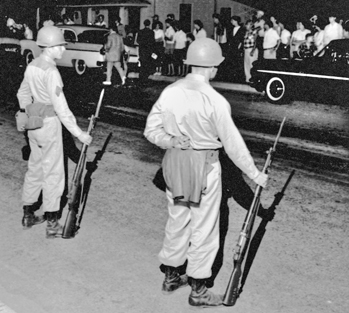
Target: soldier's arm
[24, 95]
[233, 143]
[55, 90]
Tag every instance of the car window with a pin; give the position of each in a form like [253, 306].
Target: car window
[93, 36]
[69, 35]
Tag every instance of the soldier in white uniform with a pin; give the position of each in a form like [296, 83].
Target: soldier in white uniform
[192, 121]
[41, 96]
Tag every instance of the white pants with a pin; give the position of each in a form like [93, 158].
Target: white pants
[45, 166]
[248, 60]
[193, 233]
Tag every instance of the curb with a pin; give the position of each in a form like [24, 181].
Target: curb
[215, 84]
[337, 152]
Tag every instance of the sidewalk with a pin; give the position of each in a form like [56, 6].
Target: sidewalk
[215, 84]
[297, 144]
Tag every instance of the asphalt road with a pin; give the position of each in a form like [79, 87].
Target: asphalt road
[111, 266]
[315, 136]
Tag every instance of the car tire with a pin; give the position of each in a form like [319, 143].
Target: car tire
[80, 67]
[28, 57]
[276, 91]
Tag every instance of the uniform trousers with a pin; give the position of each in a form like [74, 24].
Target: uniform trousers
[45, 166]
[192, 233]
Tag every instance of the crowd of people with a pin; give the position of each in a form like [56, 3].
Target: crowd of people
[162, 46]
[259, 37]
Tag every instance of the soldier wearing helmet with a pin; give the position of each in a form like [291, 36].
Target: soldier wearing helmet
[41, 97]
[192, 121]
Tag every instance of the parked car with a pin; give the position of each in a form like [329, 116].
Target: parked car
[12, 68]
[83, 51]
[327, 74]
[10, 51]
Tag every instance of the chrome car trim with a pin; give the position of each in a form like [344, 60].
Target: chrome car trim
[304, 75]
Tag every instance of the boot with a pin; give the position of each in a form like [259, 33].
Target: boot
[29, 218]
[173, 280]
[201, 297]
[53, 229]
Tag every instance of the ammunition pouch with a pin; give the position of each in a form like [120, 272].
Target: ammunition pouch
[33, 117]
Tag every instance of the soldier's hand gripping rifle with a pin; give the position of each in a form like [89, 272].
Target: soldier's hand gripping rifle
[232, 291]
[75, 191]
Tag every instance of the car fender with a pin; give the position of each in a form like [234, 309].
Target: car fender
[27, 44]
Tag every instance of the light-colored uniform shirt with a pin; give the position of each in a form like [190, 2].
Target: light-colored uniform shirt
[191, 107]
[43, 84]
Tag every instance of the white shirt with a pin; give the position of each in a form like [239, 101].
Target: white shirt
[332, 32]
[180, 39]
[191, 107]
[102, 24]
[300, 34]
[199, 33]
[159, 34]
[285, 36]
[260, 23]
[271, 38]
[319, 40]
[169, 33]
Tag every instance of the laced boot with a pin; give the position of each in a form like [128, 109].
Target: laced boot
[173, 280]
[53, 229]
[201, 297]
[29, 218]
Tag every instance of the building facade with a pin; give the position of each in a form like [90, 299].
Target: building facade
[134, 12]
[189, 10]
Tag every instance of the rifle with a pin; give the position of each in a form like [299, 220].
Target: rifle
[232, 291]
[90, 168]
[75, 192]
[259, 234]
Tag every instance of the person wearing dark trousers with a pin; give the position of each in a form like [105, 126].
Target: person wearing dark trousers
[235, 56]
[146, 41]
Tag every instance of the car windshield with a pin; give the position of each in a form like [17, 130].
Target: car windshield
[93, 36]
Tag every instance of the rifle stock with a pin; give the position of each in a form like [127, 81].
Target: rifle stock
[233, 290]
[75, 192]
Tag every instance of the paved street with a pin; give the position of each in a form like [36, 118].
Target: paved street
[112, 266]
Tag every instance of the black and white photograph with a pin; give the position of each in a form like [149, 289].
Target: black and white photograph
[165, 156]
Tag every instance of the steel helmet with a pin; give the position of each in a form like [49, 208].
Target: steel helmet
[204, 52]
[50, 36]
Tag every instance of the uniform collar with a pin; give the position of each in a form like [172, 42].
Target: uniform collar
[196, 77]
[47, 59]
